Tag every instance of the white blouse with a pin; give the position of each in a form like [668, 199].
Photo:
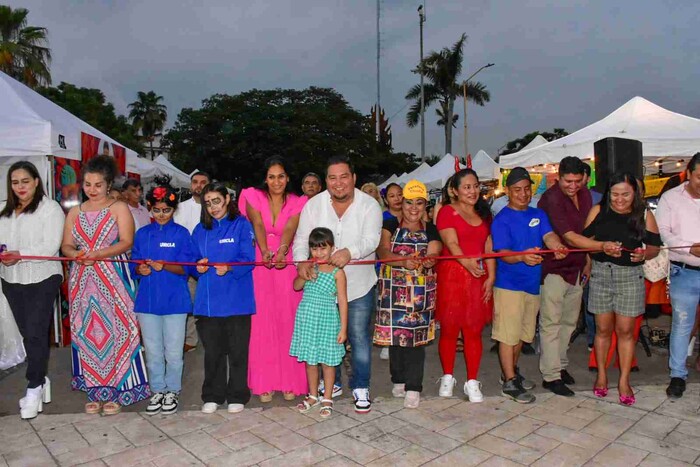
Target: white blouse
[37, 234]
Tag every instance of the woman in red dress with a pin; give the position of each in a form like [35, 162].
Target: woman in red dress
[464, 286]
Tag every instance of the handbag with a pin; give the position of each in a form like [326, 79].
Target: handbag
[657, 268]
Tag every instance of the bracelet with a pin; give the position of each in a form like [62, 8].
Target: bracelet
[286, 248]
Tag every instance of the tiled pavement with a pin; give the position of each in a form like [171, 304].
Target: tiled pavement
[554, 431]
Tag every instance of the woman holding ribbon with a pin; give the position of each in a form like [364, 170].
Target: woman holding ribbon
[163, 298]
[107, 359]
[274, 213]
[31, 224]
[406, 292]
[465, 285]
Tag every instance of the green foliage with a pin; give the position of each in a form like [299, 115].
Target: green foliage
[518, 144]
[91, 106]
[148, 115]
[24, 51]
[231, 136]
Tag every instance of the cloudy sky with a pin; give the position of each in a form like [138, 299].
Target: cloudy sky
[559, 63]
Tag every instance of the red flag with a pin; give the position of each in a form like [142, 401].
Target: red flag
[456, 164]
[469, 161]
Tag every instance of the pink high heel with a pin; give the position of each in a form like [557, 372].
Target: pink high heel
[600, 392]
[628, 400]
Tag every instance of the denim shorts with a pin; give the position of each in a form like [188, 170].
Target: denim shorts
[618, 289]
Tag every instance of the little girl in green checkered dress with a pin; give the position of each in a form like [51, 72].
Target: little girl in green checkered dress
[320, 327]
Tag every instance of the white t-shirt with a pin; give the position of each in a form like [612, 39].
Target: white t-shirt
[188, 214]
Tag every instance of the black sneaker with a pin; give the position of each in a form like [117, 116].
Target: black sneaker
[676, 388]
[558, 387]
[567, 378]
[519, 379]
[155, 404]
[514, 391]
[169, 403]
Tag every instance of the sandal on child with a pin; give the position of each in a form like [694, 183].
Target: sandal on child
[111, 408]
[93, 408]
[289, 395]
[266, 397]
[326, 410]
[306, 405]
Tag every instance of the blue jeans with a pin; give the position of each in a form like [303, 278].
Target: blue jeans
[164, 337]
[590, 317]
[360, 312]
[685, 296]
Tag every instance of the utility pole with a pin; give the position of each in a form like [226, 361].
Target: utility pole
[421, 16]
[379, 105]
[464, 86]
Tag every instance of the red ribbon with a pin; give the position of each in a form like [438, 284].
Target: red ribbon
[351, 263]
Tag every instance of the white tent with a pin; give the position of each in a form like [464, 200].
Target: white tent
[416, 174]
[179, 178]
[485, 167]
[440, 172]
[664, 134]
[537, 141]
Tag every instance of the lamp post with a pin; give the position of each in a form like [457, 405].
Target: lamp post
[421, 19]
[464, 85]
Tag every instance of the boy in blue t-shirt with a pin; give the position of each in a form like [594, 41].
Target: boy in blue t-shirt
[518, 227]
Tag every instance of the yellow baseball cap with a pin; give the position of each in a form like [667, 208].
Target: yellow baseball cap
[414, 190]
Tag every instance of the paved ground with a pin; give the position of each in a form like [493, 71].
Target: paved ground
[553, 431]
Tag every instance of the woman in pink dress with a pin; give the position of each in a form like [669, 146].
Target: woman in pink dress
[274, 213]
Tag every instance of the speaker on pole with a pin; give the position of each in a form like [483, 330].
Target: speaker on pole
[616, 155]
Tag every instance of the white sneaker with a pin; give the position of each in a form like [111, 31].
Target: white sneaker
[209, 407]
[363, 404]
[337, 390]
[447, 383]
[384, 354]
[472, 389]
[399, 390]
[412, 400]
[235, 408]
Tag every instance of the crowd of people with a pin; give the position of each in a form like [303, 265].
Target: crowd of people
[264, 281]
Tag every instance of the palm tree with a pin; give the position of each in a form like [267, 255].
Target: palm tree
[442, 70]
[149, 115]
[24, 52]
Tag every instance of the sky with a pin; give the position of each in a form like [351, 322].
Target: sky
[558, 63]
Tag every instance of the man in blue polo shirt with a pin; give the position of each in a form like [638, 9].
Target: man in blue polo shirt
[518, 227]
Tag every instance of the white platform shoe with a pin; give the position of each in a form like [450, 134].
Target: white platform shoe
[35, 399]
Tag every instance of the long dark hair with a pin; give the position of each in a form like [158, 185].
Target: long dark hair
[220, 188]
[12, 199]
[162, 194]
[636, 220]
[385, 192]
[482, 207]
[445, 192]
[270, 162]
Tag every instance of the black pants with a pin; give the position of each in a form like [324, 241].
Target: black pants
[406, 366]
[225, 342]
[32, 307]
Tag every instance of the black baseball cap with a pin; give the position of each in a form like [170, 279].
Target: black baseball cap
[516, 175]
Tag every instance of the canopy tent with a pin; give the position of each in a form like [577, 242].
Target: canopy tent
[664, 134]
[32, 127]
[416, 174]
[438, 174]
[536, 142]
[485, 167]
[179, 178]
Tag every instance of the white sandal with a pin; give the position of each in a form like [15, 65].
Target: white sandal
[326, 410]
[304, 406]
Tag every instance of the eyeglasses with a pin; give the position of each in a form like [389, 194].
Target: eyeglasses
[214, 202]
[165, 211]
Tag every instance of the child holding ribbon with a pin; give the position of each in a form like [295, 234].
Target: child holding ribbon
[163, 299]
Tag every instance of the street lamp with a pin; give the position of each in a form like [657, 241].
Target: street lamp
[421, 19]
[464, 85]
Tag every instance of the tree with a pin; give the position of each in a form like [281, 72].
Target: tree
[91, 106]
[442, 70]
[148, 115]
[231, 136]
[24, 51]
[518, 144]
